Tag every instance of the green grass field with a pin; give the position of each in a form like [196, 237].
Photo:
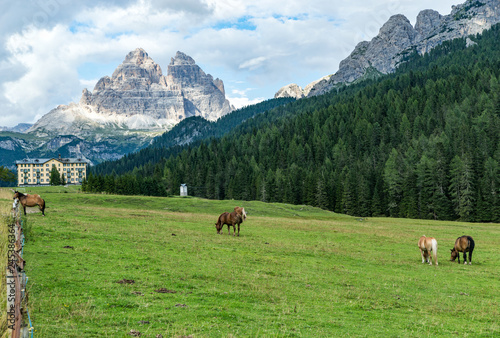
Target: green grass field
[295, 271]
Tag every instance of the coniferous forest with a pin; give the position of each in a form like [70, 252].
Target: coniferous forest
[423, 142]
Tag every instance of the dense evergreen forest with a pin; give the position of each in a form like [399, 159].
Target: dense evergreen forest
[421, 143]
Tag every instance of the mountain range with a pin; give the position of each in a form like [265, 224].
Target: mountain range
[397, 38]
[20, 128]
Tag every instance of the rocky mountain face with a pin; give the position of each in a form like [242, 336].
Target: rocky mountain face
[139, 96]
[123, 112]
[398, 37]
[291, 90]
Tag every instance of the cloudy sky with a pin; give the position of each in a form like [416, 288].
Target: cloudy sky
[50, 50]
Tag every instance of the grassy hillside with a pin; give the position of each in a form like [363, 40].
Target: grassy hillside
[294, 271]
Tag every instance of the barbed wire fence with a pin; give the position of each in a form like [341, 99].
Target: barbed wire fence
[18, 318]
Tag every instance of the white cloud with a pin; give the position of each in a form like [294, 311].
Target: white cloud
[254, 63]
[240, 97]
[240, 102]
[257, 44]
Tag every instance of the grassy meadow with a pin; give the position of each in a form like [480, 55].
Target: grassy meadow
[114, 266]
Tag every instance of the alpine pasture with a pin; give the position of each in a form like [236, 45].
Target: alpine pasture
[119, 266]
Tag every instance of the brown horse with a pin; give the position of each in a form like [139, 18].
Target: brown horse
[30, 201]
[231, 219]
[463, 244]
[426, 246]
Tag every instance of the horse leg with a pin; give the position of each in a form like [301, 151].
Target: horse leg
[42, 209]
[24, 208]
[238, 229]
[465, 257]
[470, 258]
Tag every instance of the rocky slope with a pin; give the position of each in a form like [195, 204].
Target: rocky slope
[139, 97]
[397, 37]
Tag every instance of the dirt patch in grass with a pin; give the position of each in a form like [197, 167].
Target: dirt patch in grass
[163, 290]
[126, 281]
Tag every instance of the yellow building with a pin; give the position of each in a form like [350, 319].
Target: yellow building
[37, 171]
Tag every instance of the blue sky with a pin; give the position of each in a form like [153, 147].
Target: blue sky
[51, 50]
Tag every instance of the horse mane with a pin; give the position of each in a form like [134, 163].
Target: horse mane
[19, 193]
[240, 211]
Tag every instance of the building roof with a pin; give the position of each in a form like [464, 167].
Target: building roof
[44, 160]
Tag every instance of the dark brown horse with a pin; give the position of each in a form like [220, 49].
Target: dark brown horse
[30, 201]
[231, 219]
[463, 244]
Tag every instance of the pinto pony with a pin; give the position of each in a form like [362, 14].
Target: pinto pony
[231, 219]
[30, 201]
[463, 244]
[426, 246]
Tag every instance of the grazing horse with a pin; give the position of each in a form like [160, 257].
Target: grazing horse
[426, 245]
[463, 244]
[30, 201]
[231, 219]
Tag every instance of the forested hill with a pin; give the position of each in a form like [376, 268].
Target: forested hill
[188, 131]
[421, 143]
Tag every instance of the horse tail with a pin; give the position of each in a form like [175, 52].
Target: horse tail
[434, 245]
[42, 206]
[471, 243]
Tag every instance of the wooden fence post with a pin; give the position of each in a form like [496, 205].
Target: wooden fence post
[16, 279]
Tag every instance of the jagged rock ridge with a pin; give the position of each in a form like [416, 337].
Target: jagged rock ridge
[398, 37]
[139, 96]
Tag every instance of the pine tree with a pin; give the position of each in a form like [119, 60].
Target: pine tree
[55, 176]
[109, 184]
[393, 181]
[321, 196]
[377, 207]
[6, 175]
[461, 188]
[490, 188]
